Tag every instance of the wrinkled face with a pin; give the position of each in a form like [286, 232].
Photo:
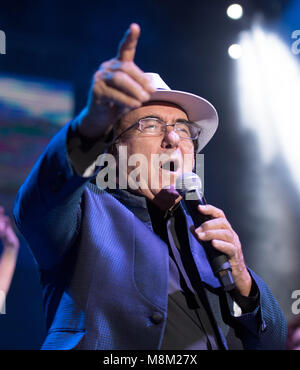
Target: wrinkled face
[176, 155]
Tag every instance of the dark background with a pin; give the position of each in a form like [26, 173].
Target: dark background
[186, 42]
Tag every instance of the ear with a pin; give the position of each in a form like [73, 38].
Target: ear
[113, 149]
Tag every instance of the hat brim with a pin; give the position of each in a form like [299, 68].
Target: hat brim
[197, 109]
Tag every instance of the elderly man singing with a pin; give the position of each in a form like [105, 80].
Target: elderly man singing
[124, 267]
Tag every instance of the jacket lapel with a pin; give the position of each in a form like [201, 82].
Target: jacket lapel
[200, 258]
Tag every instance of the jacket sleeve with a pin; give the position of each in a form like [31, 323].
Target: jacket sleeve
[265, 328]
[47, 206]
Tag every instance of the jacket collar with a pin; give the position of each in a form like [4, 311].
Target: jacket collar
[137, 204]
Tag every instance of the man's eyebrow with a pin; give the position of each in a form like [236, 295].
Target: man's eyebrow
[152, 116]
[160, 118]
[183, 120]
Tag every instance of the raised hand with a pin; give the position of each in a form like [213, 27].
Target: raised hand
[118, 86]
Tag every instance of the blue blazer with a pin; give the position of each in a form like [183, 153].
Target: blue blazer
[105, 273]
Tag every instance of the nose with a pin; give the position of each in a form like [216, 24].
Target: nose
[171, 138]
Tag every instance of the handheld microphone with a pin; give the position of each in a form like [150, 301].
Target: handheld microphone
[189, 186]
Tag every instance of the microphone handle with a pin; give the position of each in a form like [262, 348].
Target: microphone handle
[218, 260]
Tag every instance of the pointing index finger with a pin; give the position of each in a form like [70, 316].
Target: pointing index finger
[128, 44]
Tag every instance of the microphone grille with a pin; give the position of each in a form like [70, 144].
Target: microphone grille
[188, 181]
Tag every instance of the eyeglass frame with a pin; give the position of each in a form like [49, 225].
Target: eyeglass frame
[192, 139]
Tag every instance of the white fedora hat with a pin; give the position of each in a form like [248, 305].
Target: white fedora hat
[197, 109]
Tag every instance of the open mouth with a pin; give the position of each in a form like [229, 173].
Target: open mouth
[171, 165]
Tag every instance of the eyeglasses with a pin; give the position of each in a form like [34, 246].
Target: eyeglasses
[152, 126]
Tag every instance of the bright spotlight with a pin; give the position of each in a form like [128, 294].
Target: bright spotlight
[269, 90]
[235, 51]
[235, 11]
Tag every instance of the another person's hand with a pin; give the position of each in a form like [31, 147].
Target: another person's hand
[118, 86]
[7, 234]
[222, 237]
[8, 257]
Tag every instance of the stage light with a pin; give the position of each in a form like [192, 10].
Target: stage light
[235, 11]
[235, 51]
[269, 90]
